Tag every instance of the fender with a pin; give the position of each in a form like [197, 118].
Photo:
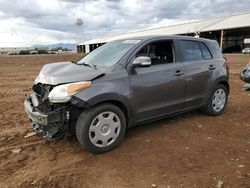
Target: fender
[222, 78]
[101, 91]
[218, 79]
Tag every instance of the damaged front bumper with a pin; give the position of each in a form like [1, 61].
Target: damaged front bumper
[49, 125]
[39, 117]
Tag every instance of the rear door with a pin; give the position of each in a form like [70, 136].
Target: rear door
[158, 89]
[197, 61]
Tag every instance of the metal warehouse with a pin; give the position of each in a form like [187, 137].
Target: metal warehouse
[232, 33]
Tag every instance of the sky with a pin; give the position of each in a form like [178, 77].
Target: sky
[28, 22]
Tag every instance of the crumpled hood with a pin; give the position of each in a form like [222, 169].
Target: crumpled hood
[66, 72]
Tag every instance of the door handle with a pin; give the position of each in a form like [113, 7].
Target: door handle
[212, 67]
[178, 73]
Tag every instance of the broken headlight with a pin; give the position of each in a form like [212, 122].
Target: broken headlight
[63, 93]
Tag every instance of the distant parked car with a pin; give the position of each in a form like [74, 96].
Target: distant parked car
[42, 52]
[24, 52]
[232, 49]
[52, 52]
[34, 52]
[246, 51]
[12, 53]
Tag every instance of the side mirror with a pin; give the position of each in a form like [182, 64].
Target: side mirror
[142, 61]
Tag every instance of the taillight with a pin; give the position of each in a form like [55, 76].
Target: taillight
[227, 63]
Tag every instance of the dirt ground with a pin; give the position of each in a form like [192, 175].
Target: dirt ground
[190, 150]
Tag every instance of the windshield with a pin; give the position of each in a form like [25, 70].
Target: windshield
[108, 54]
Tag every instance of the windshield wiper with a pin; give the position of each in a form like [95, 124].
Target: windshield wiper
[86, 64]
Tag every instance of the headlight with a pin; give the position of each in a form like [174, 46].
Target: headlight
[36, 80]
[63, 93]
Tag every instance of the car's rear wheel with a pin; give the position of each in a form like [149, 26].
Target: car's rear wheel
[217, 101]
[101, 128]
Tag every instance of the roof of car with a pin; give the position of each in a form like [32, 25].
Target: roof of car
[165, 36]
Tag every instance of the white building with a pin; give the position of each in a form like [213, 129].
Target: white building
[9, 50]
[229, 31]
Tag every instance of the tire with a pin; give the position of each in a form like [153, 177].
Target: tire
[211, 108]
[101, 128]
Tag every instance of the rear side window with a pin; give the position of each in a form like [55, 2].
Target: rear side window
[191, 50]
[215, 49]
[205, 51]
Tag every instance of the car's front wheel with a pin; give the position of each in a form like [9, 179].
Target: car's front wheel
[101, 128]
[217, 101]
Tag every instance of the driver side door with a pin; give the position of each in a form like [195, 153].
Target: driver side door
[158, 89]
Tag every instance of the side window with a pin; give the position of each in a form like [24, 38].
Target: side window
[143, 51]
[160, 52]
[215, 49]
[205, 51]
[191, 50]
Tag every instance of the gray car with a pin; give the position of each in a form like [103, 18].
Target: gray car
[125, 83]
